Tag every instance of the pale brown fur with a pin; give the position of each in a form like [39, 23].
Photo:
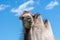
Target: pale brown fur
[37, 30]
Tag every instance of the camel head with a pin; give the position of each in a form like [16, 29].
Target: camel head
[27, 19]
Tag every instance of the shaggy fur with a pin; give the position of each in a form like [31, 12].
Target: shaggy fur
[35, 28]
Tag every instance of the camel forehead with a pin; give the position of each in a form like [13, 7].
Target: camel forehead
[27, 14]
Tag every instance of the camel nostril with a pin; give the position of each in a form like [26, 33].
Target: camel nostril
[28, 17]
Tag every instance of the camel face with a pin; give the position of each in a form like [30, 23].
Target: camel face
[27, 19]
[35, 28]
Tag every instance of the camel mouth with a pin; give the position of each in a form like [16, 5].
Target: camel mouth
[27, 22]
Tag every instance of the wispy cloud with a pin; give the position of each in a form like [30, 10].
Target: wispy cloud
[51, 5]
[3, 6]
[23, 7]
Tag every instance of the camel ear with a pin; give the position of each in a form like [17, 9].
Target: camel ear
[21, 18]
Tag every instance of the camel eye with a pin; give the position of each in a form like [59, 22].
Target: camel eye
[22, 18]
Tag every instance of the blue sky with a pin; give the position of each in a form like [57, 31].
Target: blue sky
[11, 27]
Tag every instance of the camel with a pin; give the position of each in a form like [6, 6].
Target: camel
[35, 28]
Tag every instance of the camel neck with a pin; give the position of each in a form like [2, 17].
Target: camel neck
[27, 34]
